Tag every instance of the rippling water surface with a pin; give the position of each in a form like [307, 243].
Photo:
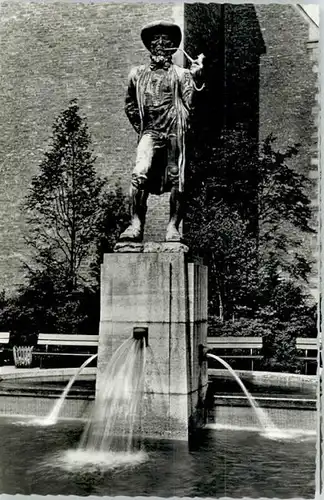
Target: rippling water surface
[222, 462]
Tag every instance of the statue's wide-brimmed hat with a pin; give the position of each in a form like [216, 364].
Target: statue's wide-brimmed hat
[170, 29]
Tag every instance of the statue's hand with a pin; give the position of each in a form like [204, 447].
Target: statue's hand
[197, 65]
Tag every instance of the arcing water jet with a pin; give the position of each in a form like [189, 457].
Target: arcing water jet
[52, 417]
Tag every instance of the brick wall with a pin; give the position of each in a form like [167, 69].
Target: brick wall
[287, 82]
[313, 51]
[288, 100]
[50, 53]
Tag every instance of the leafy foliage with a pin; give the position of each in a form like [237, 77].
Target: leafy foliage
[73, 217]
[64, 202]
[247, 208]
[248, 213]
[282, 191]
[115, 218]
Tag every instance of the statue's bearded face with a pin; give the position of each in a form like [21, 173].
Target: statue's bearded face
[159, 43]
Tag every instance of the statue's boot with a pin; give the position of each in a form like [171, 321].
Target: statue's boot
[172, 232]
[135, 230]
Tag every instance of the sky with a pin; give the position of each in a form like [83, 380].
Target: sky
[313, 12]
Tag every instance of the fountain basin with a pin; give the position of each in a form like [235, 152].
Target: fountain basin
[10, 373]
[293, 402]
[222, 462]
[230, 411]
[265, 380]
[32, 395]
[231, 456]
[243, 417]
[268, 380]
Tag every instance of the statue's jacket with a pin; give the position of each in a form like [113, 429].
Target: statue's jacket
[158, 103]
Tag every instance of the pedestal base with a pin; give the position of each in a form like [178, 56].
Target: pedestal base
[165, 293]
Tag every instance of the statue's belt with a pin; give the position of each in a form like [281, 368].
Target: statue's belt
[160, 136]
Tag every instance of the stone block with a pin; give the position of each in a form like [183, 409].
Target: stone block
[158, 290]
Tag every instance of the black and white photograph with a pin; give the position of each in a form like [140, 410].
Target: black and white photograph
[160, 249]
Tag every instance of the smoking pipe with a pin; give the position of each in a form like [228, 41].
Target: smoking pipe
[199, 59]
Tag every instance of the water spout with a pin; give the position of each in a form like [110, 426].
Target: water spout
[52, 417]
[115, 422]
[265, 421]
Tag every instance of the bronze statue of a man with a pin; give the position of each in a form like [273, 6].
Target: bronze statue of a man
[158, 101]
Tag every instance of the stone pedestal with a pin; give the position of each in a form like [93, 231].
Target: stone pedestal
[160, 289]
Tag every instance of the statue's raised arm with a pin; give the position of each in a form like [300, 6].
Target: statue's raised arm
[158, 101]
